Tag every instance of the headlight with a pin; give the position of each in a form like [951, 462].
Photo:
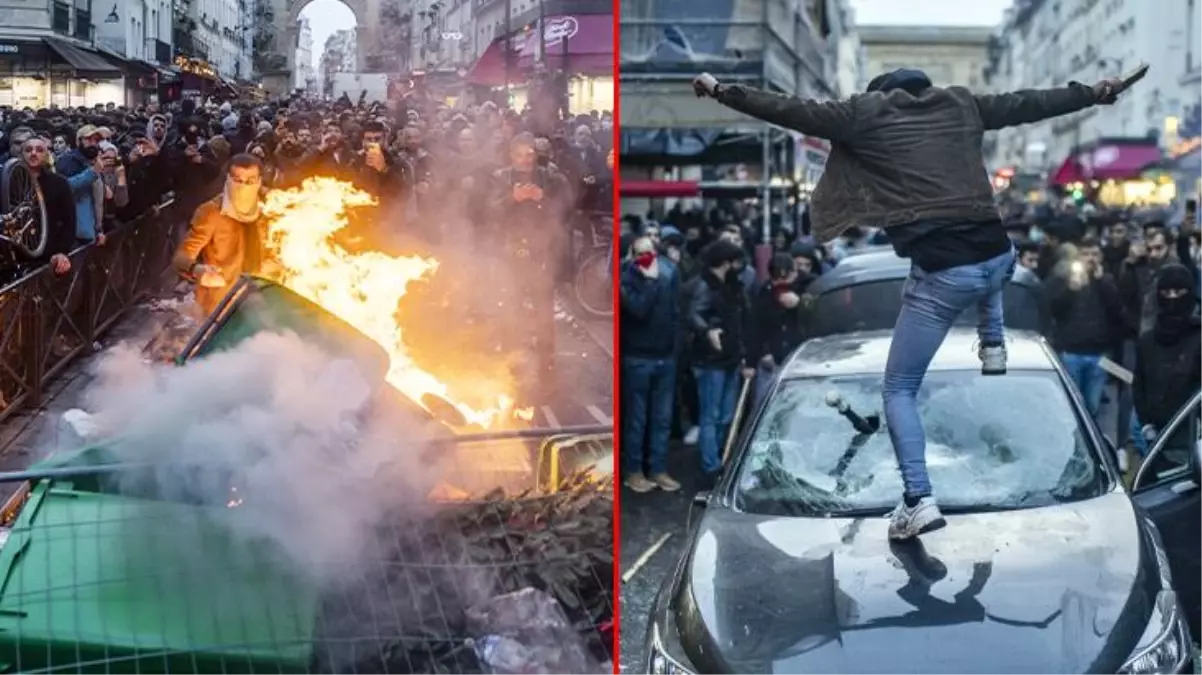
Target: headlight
[664, 653]
[1165, 645]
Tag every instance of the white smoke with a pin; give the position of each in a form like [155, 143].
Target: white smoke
[288, 433]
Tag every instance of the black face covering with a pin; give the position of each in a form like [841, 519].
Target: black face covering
[1174, 315]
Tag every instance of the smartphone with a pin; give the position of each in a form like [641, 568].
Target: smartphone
[1133, 77]
[1191, 208]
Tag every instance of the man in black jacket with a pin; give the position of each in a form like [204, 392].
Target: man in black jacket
[907, 156]
[1087, 310]
[717, 316]
[1168, 357]
[650, 306]
[60, 206]
[1168, 363]
[775, 326]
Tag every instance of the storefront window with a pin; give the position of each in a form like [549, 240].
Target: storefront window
[591, 93]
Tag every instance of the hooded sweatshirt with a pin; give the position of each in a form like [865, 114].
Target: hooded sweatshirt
[1168, 358]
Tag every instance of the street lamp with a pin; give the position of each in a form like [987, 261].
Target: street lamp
[112, 17]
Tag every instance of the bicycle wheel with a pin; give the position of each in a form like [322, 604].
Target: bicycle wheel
[594, 283]
[24, 210]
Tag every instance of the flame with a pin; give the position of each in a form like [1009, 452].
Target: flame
[524, 414]
[363, 289]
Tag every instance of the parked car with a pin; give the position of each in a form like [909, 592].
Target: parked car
[1047, 563]
[863, 292]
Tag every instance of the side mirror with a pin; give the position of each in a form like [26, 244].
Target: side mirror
[701, 499]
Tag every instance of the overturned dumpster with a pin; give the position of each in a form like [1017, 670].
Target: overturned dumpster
[108, 564]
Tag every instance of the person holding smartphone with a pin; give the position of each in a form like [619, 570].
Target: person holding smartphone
[907, 157]
[529, 208]
[82, 167]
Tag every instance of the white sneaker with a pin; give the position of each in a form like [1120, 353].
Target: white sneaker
[906, 522]
[690, 436]
[993, 360]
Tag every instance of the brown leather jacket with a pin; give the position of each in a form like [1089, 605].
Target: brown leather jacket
[897, 158]
[216, 239]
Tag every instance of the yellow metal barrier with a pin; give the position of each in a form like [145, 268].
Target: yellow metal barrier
[595, 451]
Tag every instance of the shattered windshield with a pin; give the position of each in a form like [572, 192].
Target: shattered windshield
[993, 443]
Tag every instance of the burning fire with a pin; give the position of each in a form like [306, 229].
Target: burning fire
[363, 289]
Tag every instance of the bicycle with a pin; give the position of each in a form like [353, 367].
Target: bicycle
[592, 283]
[22, 210]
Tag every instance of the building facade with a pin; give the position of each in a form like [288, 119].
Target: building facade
[338, 56]
[848, 58]
[949, 55]
[222, 29]
[304, 75]
[1049, 43]
[83, 52]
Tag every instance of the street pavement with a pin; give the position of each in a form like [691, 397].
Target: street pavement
[644, 519]
[583, 391]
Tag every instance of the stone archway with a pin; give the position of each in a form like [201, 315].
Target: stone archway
[287, 35]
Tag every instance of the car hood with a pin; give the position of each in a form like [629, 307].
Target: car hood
[1053, 589]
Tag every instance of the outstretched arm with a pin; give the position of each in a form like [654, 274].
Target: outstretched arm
[832, 120]
[1032, 105]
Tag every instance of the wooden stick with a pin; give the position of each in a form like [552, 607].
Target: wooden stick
[733, 432]
[642, 560]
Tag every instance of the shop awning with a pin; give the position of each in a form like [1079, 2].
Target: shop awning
[660, 188]
[490, 67]
[83, 60]
[576, 43]
[1069, 172]
[1108, 161]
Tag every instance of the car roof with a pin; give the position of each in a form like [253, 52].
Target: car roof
[881, 263]
[865, 353]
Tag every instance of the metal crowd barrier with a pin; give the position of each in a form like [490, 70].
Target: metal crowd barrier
[46, 321]
[590, 447]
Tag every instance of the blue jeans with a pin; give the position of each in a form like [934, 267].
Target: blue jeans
[931, 302]
[717, 389]
[1084, 371]
[649, 393]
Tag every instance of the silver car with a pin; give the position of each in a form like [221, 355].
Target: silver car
[1047, 564]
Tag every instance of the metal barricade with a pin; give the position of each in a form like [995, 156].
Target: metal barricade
[592, 449]
[97, 576]
[49, 320]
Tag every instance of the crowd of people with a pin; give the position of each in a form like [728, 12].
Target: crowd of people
[696, 318]
[519, 183]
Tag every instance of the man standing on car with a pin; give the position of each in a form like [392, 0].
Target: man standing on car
[907, 157]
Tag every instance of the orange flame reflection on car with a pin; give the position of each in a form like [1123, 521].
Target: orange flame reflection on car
[363, 289]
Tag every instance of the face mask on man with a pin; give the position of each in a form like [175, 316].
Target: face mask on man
[243, 199]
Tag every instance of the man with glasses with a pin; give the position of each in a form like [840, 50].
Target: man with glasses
[226, 238]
